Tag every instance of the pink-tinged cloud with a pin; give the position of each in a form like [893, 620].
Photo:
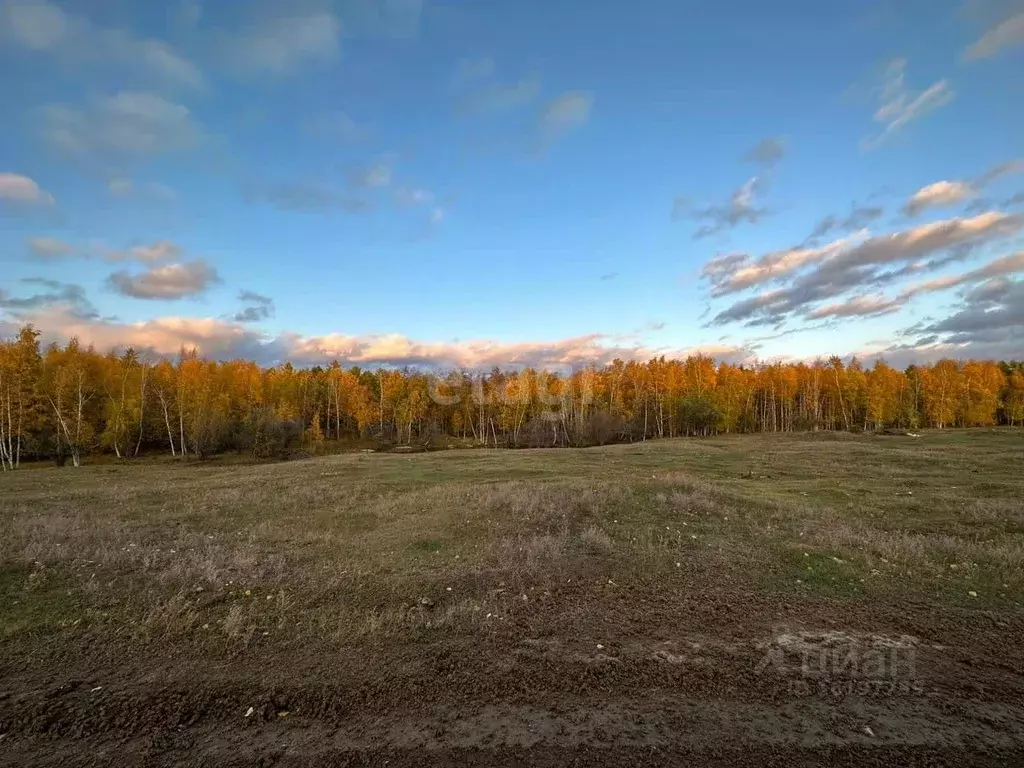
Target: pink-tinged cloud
[21, 190]
[225, 339]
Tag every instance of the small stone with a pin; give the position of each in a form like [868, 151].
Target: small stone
[972, 593]
[248, 712]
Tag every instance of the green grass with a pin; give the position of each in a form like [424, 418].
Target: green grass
[342, 545]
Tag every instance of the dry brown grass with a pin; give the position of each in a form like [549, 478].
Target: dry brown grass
[341, 549]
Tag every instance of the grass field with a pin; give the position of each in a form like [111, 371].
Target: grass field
[768, 599]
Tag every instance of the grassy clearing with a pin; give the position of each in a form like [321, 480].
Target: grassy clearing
[353, 549]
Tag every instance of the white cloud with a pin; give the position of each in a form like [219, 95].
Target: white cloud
[898, 105]
[15, 188]
[128, 126]
[282, 45]
[939, 194]
[947, 193]
[41, 26]
[170, 282]
[228, 339]
[1006, 34]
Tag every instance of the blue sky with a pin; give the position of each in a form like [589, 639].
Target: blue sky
[461, 183]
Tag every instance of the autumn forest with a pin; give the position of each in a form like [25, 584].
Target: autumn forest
[68, 402]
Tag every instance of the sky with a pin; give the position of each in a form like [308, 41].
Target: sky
[457, 183]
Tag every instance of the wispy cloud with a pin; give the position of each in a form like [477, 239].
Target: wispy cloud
[741, 207]
[70, 298]
[863, 305]
[128, 189]
[147, 253]
[39, 26]
[49, 248]
[374, 176]
[898, 105]
[258, 307]
[809, 276]
[469, 71]
[947, 193]
[335, 126]
[307, 196]
[393, 19]
[281, 45]
[564, 114]
[767, 152]
[501, 97]
[1008, 33]
[859, 217]
[120, 130]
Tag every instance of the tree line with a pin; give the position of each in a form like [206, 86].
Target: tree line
[68, 402]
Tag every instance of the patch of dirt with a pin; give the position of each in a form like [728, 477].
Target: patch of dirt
[828, 684]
